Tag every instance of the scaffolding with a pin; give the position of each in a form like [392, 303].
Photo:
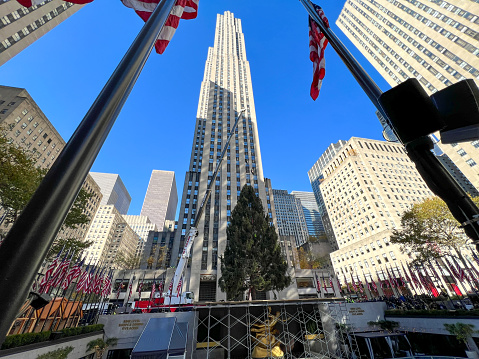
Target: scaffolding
[304, 328]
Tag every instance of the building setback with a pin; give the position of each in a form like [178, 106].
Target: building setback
[225, 90]
[141, 225]
[21, 26]
[433, 41]
[315, 175]
[113, 190]
[161, 198]
[290, 217]
[367, 186]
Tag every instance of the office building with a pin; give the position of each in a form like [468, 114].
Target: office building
[433, 41]
[161, 198]
[311, 212]
[24, 124]
[225, 90]
[142, 226]
[158, 249]
[367, 186]
[110, 235]
[93, 203]
[315, 175]
[21, 26]
[290, 217]
[113, 190]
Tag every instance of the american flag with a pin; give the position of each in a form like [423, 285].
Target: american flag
[44, 286]
[318, 283]
[160, 287]
[317, 45]
[30, 3]
[355, 287]
[90, 281]
[130, 289]
[373, 284]
[61, 272]
[413, 276]
[73, 274]
[452, 269]
[153, 289]
[83, 277]
[331, 282]
[460, 271]
[98, 282]
[106, 285]
[406, 276]
[140, 287]
[183, 9]
[170, 287]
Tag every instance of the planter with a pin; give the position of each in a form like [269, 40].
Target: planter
[471, 354]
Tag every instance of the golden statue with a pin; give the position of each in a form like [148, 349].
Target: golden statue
[266, 344]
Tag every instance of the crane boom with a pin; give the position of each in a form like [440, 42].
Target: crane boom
[193, 231]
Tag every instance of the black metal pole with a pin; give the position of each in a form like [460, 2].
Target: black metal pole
[27, 243]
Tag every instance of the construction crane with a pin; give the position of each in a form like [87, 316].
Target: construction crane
[193, 231]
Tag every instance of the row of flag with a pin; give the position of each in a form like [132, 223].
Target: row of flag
[188, 10]
[419, 278]
[62, 272]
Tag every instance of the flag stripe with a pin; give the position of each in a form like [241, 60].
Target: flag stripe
[317, 45]
[183, 9]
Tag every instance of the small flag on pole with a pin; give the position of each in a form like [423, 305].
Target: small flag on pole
[30, 3]
[46, 278]
[318, 283]
[317, 45]
[183, 9]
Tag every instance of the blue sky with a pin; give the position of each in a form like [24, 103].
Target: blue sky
[65, 70]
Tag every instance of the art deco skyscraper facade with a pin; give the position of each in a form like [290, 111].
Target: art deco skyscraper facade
[225, 90]
[21, 26]
[290, 216]
[113, 190]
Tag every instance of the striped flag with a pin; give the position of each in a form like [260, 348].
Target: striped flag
[331, 282]
[317, 45]
[30, 3]
[61, 271]
[106, 285]
[46, 278]
[153, 289]
[82, 279]
[98, 282]
[318, 283]
[88, 286]
[73, 274]
[183, 9]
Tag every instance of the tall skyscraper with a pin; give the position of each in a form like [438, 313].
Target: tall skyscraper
[434, 41]
[161, 198]
[225, 90]
[113, 190]
[21, 26]
[290, 216]
[311, 212]
[141, 225]
[367, 186]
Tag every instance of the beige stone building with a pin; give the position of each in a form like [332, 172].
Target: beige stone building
[21, 26]
[435, 41]
[366, 187]
[91, 208]
[110, 235]
[141, 225]
[27, 126]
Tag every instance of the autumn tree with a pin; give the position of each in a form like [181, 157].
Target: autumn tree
[308, 260]
[429, 230]
[252, 260]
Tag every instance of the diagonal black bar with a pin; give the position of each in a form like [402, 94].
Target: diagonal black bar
[26, 245]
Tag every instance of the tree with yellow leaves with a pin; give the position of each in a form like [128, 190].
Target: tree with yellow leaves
[429, 231]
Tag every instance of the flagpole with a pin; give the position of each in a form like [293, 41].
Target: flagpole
[26, 245]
